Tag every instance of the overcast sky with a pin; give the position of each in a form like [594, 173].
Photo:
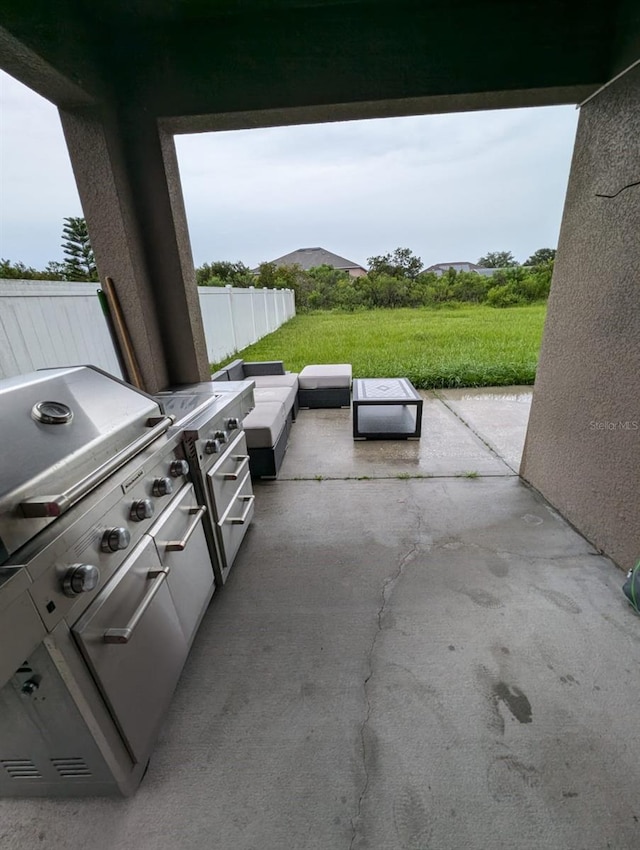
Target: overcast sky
[449, 187]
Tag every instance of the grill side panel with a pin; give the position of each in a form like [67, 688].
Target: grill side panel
[46, 747]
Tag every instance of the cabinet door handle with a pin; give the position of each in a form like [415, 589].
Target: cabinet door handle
[181, 545]
[243, 460]
[124, 635]
[240, 520]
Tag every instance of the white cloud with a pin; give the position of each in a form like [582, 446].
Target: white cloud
[450, 187]
[446, 186]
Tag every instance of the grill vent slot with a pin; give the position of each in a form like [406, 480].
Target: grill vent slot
[68, 768]
[21, 768]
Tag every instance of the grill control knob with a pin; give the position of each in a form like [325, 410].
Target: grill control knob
[178, 468]
[162, 487]
[220, 435]
[212, 447]
[233, 424]
[80, 578]
[115, 539]
[141, 509]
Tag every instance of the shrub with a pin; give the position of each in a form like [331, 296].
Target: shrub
[470, 287]
[504, 295]
[221, 272]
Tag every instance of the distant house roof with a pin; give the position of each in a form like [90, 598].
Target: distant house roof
[310, 258]
[458, 265]
[461, 266]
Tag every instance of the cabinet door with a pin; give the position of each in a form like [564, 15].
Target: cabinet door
[133, 641]
[182, 547]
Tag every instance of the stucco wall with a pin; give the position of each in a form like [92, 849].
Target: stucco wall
[583, 443]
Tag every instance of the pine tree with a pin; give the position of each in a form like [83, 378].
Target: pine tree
[80, 262]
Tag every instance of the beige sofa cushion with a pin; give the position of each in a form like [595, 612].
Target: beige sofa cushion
[264, 424]
[285, 395]
[288, 380]
[329, 376]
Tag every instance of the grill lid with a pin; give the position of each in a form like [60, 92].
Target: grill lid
[57, 427]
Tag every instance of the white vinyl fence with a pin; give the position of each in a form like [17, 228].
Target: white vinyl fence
[234, 318]
[57, 323]
[52, 323]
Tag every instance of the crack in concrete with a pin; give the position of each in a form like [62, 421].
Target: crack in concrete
[524, 556]
[388, 586]
[476, 434]
[399, 477]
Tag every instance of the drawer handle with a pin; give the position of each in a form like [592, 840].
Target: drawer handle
[243, 460]
[181, 545]
[240, 520]
[124, 635]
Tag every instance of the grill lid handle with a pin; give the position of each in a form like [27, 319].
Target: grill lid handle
[53, 506]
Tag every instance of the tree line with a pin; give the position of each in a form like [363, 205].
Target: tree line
[397, 279]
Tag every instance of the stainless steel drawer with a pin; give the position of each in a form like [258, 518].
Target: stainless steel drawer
[232, 526]
[224, 477]
[182, 547]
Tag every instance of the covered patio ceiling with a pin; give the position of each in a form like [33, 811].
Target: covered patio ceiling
[207, 65]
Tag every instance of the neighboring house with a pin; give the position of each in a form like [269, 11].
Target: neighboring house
[441, 268]
[310, 258]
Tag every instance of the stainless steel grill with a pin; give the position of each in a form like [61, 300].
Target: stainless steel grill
[106, 571]
[64, 430]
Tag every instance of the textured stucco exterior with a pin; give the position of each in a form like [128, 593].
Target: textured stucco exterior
[127, 177]
[108, 208]
[583, 443]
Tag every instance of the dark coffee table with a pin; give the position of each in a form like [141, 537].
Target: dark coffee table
[386, 409]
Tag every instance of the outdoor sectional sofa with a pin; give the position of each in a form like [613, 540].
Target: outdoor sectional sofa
[267, 426]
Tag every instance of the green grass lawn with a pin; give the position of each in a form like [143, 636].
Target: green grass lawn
[468, 346]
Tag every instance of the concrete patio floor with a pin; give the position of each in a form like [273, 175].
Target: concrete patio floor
[413, 651]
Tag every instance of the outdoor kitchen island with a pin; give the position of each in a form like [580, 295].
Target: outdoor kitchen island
[106, 568]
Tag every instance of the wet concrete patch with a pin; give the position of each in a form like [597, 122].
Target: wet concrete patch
[516, 701]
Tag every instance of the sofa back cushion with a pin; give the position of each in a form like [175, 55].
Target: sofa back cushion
[235, 370]
[264, 367]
